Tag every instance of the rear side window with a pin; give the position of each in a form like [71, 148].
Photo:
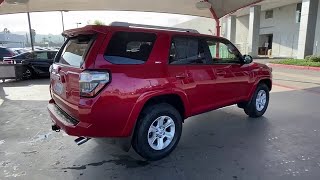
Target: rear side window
[75, 50]
[3, 51]
[187, 50]
[130, 47]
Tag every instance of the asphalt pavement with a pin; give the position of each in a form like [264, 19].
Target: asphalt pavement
[222, 144]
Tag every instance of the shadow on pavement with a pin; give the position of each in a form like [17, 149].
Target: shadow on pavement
[315, 90]
[30, 82]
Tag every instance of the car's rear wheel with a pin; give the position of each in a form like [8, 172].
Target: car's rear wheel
[157, 131]
[259, 102]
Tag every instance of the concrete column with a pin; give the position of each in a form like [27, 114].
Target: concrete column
[307, 28]
[231, 28]
[254, 30]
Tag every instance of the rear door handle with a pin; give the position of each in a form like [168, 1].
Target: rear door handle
[181, 76]
[221, 73]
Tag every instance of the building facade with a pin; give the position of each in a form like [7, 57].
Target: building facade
[276, 28]
[11, 40]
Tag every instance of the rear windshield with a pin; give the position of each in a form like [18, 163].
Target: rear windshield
[75, 50]
[5, 52]
[130, 47]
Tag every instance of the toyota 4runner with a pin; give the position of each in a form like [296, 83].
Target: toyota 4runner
[140, 82]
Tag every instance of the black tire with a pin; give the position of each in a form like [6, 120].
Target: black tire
[251, 109]
[147, 118]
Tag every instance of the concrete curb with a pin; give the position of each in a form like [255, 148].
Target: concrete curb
[294, 67]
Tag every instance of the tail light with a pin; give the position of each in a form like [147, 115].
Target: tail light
[9, 61]
[92, 82]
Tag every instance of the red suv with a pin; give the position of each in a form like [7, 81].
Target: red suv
[139, 83]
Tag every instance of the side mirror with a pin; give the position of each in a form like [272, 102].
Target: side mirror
[247, 59]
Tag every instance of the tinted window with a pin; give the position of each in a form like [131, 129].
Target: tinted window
[74, 52]
[51, 55]
[28, 55]
[5, 52]
[41, 55]
[269, 14]
[298, 12]
[186, 51]
[223, 51]
[130, 47]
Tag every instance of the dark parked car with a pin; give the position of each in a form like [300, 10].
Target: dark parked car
[18, 51]
[5, 52]
[37, 63]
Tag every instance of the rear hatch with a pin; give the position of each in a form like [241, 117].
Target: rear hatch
[68, 65]
[4, 52]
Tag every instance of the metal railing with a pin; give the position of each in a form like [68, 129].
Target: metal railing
[126, 24]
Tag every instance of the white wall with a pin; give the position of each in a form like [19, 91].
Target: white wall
[283, 26]
[242, 31]
[285, 31]
[203, 25]
[316, 49]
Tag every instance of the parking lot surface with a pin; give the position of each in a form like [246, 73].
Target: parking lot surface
[222, 144]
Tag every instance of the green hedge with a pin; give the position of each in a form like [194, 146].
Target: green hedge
[299, 62]
[313, 58]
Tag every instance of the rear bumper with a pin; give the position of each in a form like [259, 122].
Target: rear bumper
[75, 128]
[70, 125]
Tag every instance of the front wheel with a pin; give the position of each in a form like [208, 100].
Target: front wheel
[157, 131]
[259, 102]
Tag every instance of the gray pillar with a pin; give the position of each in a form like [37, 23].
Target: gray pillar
[254, 30]
[307, 28]
[231, 31]
[30, 32]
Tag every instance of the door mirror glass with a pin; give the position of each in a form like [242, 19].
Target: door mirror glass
[247, 59]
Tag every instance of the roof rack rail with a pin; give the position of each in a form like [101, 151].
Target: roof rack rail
[126, 24]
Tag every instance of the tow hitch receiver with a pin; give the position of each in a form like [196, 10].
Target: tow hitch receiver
[81, 140]
[55, 128]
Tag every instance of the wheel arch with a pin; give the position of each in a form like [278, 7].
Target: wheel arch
[176, 99]
[266, 81]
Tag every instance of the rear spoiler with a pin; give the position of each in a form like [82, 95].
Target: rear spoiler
[87, 30]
